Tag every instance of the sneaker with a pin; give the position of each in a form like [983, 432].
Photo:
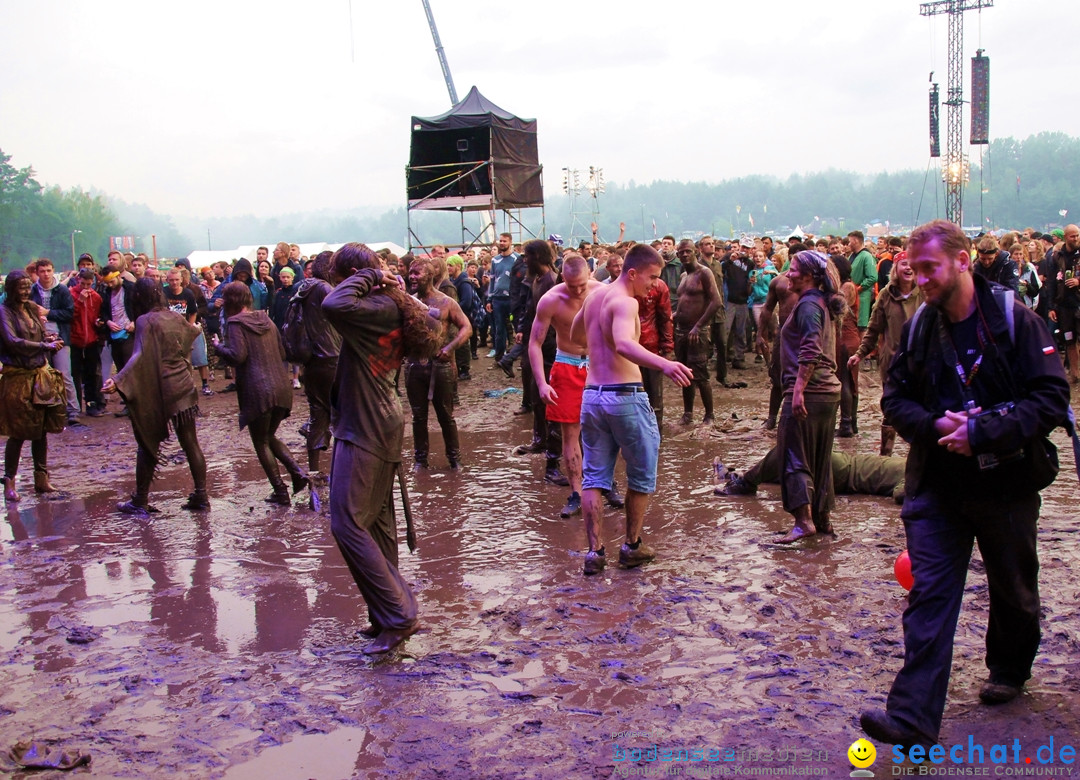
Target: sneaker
[737, 486]
[296, 383]
[75, 424]
[630, 557]
[207, 391]
[94, 411]
[614, 497]
[595, 561]
[229, 388]
[465, 376]
[573, 506]
[529, 449]
[491, 354]
[738, 365]
[998, 693]
[758, 359]
[122, 413]
[507, 366]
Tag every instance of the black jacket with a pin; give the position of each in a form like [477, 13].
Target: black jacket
[106, 303]
[1003, 271]
[921, 385]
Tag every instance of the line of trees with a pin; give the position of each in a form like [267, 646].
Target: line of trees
[1019, 184]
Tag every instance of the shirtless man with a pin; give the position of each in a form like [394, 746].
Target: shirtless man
[434, 377]
[615, 411]
[562, 396]
[779, 300]
[699, 300]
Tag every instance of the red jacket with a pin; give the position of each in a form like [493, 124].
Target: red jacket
[654, 311]
[87, 310]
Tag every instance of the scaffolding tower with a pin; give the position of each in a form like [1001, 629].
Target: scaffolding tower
[956, 170]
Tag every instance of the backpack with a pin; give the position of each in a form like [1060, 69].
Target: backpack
[294, 332]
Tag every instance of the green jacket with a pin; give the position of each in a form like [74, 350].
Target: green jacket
[864, 274]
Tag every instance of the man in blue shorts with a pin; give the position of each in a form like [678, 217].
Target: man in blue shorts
[615, 412]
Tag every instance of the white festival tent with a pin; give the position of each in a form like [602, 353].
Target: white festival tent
[206, 257]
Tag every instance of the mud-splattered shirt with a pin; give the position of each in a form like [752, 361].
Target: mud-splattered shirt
[365, 409]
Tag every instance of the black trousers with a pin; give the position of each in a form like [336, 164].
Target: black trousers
[319, 376]
[940, 537]
[86, 374]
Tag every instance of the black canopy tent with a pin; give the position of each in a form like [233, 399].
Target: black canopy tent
[474, 157]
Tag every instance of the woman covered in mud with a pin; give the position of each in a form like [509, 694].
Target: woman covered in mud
[811, 395]
[894, 306]
[32, 399]
[253, 348]
[157, 385]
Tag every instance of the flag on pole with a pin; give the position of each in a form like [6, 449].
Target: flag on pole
[751, 219]
[1018, 185]
[654, 228]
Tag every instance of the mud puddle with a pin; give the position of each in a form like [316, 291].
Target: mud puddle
[224, 644]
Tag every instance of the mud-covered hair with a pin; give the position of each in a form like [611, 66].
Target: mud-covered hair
[421, 334]
[147, 296]
[11, 285]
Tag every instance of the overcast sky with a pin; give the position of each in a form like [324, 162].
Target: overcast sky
[232, 107]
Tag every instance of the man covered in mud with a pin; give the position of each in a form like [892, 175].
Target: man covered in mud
[975, 388]
[873, 475]
[377, 321]
[561, 392]
[615, 412]
[433, 377]
[699, 300]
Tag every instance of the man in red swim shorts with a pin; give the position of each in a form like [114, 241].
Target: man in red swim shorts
[557, 309]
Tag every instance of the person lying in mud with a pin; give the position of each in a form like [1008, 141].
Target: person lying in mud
[873, 475]
[157, 386]
[254, 349]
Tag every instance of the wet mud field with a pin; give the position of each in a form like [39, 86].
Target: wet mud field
[224, 644]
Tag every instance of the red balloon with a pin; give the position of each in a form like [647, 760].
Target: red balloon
[902, 570]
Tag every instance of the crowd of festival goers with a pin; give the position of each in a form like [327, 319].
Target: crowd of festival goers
[78, 316]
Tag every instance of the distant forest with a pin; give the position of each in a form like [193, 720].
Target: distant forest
[1025, 183]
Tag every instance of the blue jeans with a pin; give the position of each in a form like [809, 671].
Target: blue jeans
[612, 423]
[500, 315]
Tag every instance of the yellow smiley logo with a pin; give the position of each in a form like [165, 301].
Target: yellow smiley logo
[861, 754]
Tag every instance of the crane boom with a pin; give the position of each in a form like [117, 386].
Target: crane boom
[441, 54]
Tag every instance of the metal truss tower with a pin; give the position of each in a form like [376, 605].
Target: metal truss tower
[957, 169]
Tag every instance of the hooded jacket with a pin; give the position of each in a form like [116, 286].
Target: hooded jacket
[258, 289]
[253, 346]
[325, 340]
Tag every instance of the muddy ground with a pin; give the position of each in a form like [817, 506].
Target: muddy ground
[225, 644]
